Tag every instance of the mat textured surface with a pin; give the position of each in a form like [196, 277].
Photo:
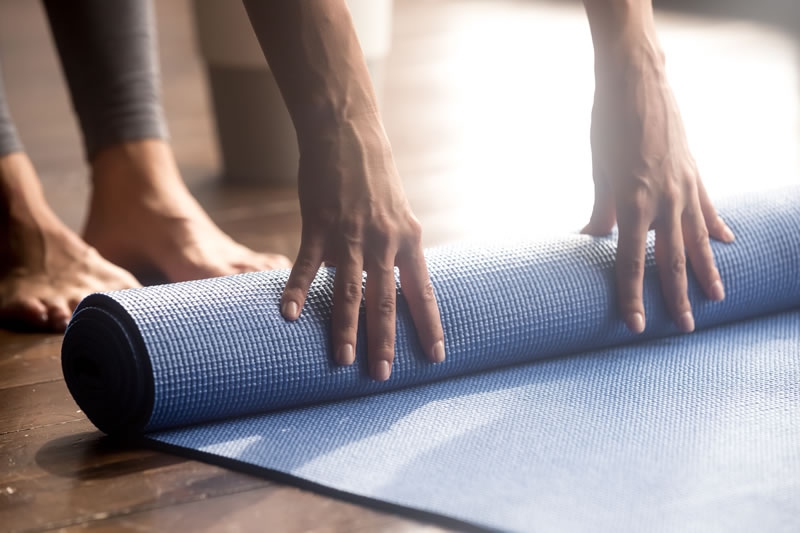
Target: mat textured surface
[681, 432]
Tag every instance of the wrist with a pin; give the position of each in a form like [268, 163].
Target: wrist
[361, 137]
[315, 123]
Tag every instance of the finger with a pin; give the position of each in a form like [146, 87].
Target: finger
[701, 257]
[347, 295]
[631, 250]
[380, 295]
[415, 283]
[671, 262]
[303, 272]
[604, 214]
[716, 226]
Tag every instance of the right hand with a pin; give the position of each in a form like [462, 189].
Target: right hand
[356, 217]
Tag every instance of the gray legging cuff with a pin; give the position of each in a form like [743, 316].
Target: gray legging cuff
[9, 141]
[108, 53]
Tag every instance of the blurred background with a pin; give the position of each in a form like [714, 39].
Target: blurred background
[486, 103]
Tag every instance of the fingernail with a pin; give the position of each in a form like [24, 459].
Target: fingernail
[686, 322]
[63, 323]
[346, 355]
[289, 310]
[728, 235]
[717, 291]
[635, 322]
[381, 370]
[43, 318]
[437, 353]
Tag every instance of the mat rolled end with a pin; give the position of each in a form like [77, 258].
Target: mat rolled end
[106, 367]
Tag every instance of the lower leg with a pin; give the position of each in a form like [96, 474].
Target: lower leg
[45, 269]
[143, 217]
[9, 141]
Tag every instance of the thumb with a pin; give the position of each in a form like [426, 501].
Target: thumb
[604, 213]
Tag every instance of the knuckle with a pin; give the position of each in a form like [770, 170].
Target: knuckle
[639, 201]
[672, 195]
[428, 292]
[351, 292]
[385, 306]
[385, 348]
[700, 237]
[380, 242]
[380, 255]
[383, 221]
[681, 301]
[382, 232]
[632, 267]
[677, 264]
[351, 228]
[414, 231]
[322, 220]
[691, 176]
[305, 267]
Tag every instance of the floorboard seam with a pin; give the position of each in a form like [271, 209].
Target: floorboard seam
[35, 428]
[103, 516]
[45, 382]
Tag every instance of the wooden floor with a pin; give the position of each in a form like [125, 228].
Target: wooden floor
[490, 130]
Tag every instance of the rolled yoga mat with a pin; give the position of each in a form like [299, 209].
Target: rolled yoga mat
[607, 431]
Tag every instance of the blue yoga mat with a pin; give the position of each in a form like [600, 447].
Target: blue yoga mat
[547, 415]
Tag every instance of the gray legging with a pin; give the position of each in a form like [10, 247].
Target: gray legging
[108, 53]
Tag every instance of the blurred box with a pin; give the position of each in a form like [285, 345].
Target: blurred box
[255, 133]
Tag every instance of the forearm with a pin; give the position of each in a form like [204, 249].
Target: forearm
[315, 56]
[623, 33]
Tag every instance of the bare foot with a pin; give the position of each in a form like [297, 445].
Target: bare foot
[45, 268]
[142, 217]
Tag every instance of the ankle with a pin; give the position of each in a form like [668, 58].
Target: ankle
[21, 193]
[143, 162]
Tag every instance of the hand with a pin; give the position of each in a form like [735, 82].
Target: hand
[356, 217]
[645, 177]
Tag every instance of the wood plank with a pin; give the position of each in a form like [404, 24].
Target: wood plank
[287, 510]
[69, 474]
[444, 119]
[29, 407]
[29, 358]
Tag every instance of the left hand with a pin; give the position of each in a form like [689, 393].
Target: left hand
[646, 178]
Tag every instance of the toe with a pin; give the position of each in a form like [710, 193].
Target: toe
[73, 302]
[58, 314]
[28, 311]
[272, 262]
